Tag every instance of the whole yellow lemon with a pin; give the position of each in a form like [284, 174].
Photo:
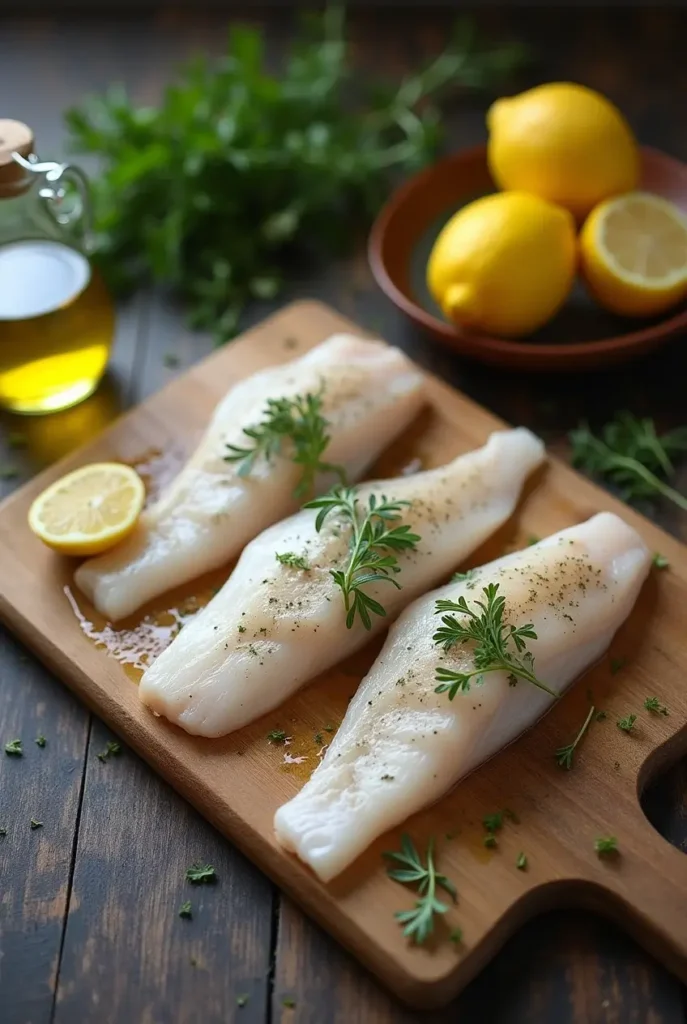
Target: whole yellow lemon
[563, 142]
[504, 264]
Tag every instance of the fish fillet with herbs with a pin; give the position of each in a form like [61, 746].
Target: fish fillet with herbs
[402, 744]
[282, 617]
[368, 393]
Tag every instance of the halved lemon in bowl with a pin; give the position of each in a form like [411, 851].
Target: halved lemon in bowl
[634, 254]
[90, 510]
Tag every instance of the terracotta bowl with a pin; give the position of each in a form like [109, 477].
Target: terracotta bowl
[581, 336]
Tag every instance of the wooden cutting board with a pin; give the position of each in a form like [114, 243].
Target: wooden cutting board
[238, 782]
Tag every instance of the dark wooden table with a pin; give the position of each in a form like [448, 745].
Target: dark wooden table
[88, 903]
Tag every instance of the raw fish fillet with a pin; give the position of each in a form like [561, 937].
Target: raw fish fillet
[401, 746]
[204, 518]
[271, 627]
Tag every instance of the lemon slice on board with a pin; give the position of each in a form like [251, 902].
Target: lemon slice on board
[90, 510]
[634, 254]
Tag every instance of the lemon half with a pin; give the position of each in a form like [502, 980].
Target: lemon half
[90, 510]
[634, 254]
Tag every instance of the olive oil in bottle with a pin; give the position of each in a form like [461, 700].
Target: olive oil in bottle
[56, 325]
[56, 318]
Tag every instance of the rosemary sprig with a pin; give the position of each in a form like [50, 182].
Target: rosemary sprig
[564, 755]
[630, 454]
[298, 421]
[418, 923]
[484, 626]
[373, 544]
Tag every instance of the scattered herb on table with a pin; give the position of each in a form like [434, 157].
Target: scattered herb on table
[617, 664]
[186, 910]
[490, 840]
[373, 545]
[532, 540]
[660, 561]
[601, 716]
[418, 923]
[653, 704]
[565, 755]
[605, 845]
[201, 874]
[465, 577]
[113, 749]
[242, 1000]
[318, 738]
[456, 936]
[298, 421]
[293, 561]
[484, 626]
[276, 736]
[630, 454]
[521, 862]
[41, 741]
[330, 728]
[238, 171]
[14, 749]
[493, 822]
[3, 831]
[627, 724]
[36, 824]
[289, 1002]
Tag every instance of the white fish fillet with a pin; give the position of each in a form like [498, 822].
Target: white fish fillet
[203, 519]
[401, 745]
[271, 628]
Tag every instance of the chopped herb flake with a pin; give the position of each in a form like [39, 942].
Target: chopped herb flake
[627, 724]
[13, 748]
[276, 736]
[185, 910]
[41, 741]
[36, 824]
[201, 874]
[653, 704]
[660, 561]
[605, 845]
[521, 862]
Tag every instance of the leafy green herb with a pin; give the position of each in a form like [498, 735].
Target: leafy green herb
[113, 749]
[8, 473]
[605, 845]
[3, 831]
[600, 716]
[276, 736]
[299, 421]
[493, 822]
[418, 923]
[292, 560]
[564, 755]
[653, 704]
[330, 728]
[532, 539]
[521, 862]
[627, 724]
[660, 561]
[242, 1000]
[242, 629]
[36, 824]
[373, 545]
[490, 840]
[318, 739]
[465, 577]
[267, 166]
[289, 1002]
[201, 874]
[456, 936]
[630, 454]
[13, 748]
[492, 636]
[41, 741]
[617, 664]
[185, 910]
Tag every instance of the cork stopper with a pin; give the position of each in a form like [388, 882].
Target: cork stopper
[15, 137]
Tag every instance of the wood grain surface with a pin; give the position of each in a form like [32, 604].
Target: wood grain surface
[562, 967]
[238, 782]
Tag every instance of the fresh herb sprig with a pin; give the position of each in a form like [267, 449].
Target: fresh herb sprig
[494, 641]
[218, 190]
[418, 923]
[293, 560]
[630, 454]
[296, 422]
[374, 544]
[201, 874]
[654, 705]
[627, 724]
[565, 755]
